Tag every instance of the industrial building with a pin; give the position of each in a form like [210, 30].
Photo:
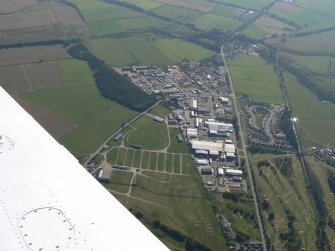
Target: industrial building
[104, 175]
[219, 126]
[179, 138]
[229, 148]
[201, 161]
[194, 104]
[192, 132]
[158, 119]
[212, 148]
[220, 171]
[233, 172]
[224, 100]
[207, 171]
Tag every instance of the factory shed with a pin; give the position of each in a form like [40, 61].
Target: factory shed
[233, 172]
[229, 148]
[207, 145]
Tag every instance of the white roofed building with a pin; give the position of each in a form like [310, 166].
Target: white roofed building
[214, 125]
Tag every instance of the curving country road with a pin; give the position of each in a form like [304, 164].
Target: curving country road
[92, 155]
[244, 149]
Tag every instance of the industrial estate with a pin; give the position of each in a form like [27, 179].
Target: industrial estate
[211, 121]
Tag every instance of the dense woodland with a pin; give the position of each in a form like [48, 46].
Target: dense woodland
[111, 84]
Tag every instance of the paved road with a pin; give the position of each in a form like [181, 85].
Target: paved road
[92, 155]
[244, 149]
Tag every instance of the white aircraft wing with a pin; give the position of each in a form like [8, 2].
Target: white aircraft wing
[48, 201]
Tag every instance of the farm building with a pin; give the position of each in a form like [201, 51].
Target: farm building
[104, 175]
[233, 172]
[158, 119]
[192, 132]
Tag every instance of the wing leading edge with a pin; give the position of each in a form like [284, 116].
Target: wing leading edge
[48, 201]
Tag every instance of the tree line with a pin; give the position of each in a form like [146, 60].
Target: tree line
[111, 84]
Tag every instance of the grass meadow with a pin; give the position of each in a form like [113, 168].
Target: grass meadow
[251, 75]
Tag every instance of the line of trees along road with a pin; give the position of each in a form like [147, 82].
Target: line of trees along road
[111, 84]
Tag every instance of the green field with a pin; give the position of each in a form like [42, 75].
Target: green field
[231, 12]
[210, 21]
[315, 64]
[149, 133]
[264, 26]
[316, 119]
[281, 187]
[120, 181]
[321, 172]
[175, 146]
[253, 76]
[183, 15]
[298, 15]
[181, 204]
[252, 4]
[78, 100]
[144, 4]
[312, 44]
[122, 52]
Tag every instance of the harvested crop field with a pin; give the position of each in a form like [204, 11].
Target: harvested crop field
[29, 77]
[34, 54]
[55, 124]
[205, 7]
[287, 7]
[42, 16]
[9, 6]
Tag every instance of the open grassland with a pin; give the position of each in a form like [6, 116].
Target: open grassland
[231, 12]
[120, 181]
[210, 21]
[105, 18]
[282, 193]
[252, 76]
[315, 64]
[169, 163]
[316, 119]
[176, 50]
[175, 146]
[297, 14]
[321, 172]
[160, 111]
[250, 4]
[241, 215]
[77, 99]
[36, 19]
[180, 203]
[323, 7]
[144, 4]
[149, 133]
[36, 54]
[266, 26]
[312, 44]
[183, 15]
[122, 52]
[199, 5]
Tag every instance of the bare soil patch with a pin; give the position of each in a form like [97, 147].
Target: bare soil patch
[32, 54]
[41, 16]
[189, 5]
[22, 78]
[55, 124]
[287, 7]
